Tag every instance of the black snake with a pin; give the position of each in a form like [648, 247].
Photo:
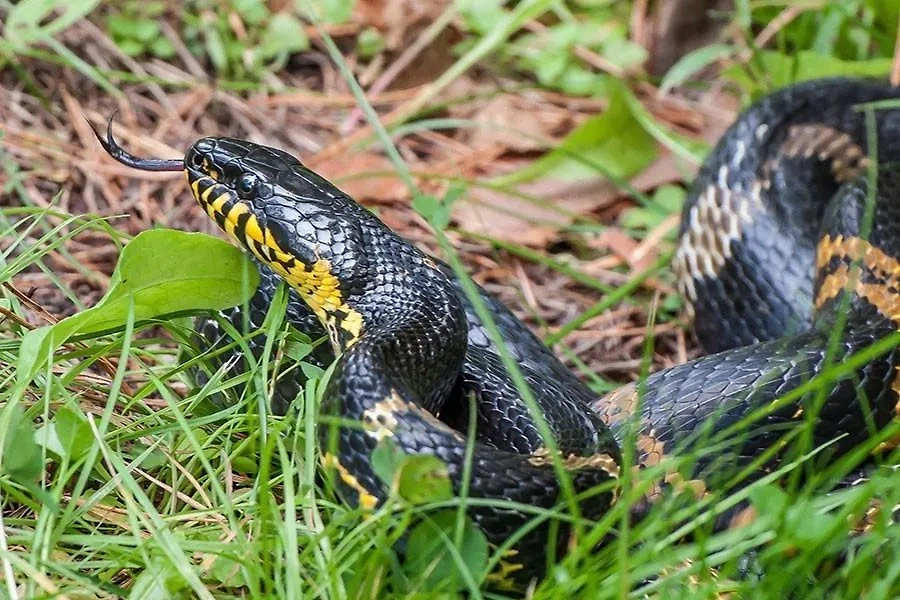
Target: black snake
[784, 261]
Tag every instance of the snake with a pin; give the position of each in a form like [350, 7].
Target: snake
[788, 261]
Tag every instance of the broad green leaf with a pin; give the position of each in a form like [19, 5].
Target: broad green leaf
[297, 350]
[614, 140]
[284, 34]
[73, 432]
[245, 465]
[667, 200]
[159, 581]
[418, 479]
[228, 572]
[311, 371]
[215, 48]
[423, 479]
[369, 42]
[427, 550]
[692, 63]
[782, 70]
[769, 500]
[808, 525]
[162, 48]
[253, 12]
[160, 272]
[21, 458]
[480, 16]
[387, 459]
[47, 438]
[332, 11]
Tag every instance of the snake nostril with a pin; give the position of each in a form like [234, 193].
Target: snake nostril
[196, 160]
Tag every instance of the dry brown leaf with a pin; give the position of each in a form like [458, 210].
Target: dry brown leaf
[364, 176]
[524, 221]
[397, 19]
[639, 257]
[518, 124]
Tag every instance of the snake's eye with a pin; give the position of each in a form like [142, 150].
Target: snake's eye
[246, 186]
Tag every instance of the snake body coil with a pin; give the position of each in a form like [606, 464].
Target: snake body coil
[783, 259]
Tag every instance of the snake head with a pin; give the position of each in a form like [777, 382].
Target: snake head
[291, 219]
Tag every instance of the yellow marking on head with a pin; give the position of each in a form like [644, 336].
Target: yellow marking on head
[210, 170]
[231, 218]
[219, 201]
[367, 501]
[195, 187]
[204, 197]
[252, 229]
[316, 284]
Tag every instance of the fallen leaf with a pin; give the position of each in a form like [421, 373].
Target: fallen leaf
[364, 176]
[518, 124]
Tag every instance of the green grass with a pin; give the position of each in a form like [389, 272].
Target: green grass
[120, 478]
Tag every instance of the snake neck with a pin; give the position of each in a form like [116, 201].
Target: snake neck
[414, 329]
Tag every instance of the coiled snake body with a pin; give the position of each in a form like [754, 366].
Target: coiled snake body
[782, 258]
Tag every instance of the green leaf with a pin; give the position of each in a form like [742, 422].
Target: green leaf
[21, 458]
[28, 21]
[333, 11]
[614, 140]
[245, 465]
[161, 271]
[423, 478]
[145, 30]
[692, 63]
[253, 12]
[162, 48]
[428, 552]
[215, 48]
[159, 581]
[387, 459]
[426, 205]
[130, 47]
[369, 43]
[228, 572]
[296, 350]
[73, 432]
[311, 371]
[47, 438]
[769, 500]
[418, 479]
[284, 34]
[624, 53]
[667, 200]
[782, 70]
[481, 16]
